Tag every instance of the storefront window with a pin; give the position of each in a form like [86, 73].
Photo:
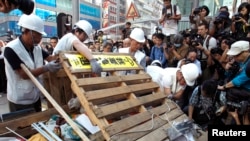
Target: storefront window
[46, 15]
[64, 4]
[51, 3]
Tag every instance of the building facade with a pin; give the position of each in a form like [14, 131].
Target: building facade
[106, 13]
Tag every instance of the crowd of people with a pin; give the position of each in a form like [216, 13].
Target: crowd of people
[204, 69]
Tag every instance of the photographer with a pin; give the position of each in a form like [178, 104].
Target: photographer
[169, 19]
[190, 58]
[238, 89]
[199, 15]
[221, 25]
[240, 25]
[175, 51]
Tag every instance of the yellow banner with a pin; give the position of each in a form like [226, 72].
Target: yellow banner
[78, 61]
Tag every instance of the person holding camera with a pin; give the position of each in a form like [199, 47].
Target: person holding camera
[221, 25]
[240, 22]
[176, 51]
[238, 89]
[191, 57]
[199, 15]
[169, 18]
[204, 45]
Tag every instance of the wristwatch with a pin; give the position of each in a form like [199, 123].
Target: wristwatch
[224, 87]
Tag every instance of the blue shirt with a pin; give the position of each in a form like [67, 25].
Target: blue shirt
[241, 79]
[157, 53]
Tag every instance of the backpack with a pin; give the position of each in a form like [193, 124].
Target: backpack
[209, 114]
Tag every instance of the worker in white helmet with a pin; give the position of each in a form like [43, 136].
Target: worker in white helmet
[137, 39]
[21, 91]
[173, 81]
[74, 41]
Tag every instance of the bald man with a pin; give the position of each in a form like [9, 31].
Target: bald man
[126, 42]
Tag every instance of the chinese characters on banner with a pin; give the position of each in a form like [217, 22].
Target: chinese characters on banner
[77, 61]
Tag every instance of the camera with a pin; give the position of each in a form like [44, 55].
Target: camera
[237, 16]
[168, 42]
[196, 40]
[188, 61]
[168, 15]
[241, 106]
[218, 20]
[26, 6]
[197, 10]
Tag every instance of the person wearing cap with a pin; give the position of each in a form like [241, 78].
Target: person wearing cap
[173, 81]
[221, 25]
[21, 91]
[239, 87]
[137, 40]
[239, 51]
[74, 42]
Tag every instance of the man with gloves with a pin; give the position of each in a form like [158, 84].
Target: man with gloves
[21, 91]
[74, 41]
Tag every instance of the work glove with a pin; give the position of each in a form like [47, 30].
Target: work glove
[171, 97]
[95, 67]
[52, 66]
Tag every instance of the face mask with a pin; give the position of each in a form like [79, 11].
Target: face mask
[177, 45]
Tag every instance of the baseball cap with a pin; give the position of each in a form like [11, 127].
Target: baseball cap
[238, 47]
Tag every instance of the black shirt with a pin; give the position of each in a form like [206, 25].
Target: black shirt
[14, 59]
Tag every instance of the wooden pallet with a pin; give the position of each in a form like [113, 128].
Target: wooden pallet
[124, 107]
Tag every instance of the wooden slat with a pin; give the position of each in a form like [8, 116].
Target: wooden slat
[141, 130]
[137, 119]
[107, 93]
[98, 80]
[135, 77]
[124, 105]
[143, 86]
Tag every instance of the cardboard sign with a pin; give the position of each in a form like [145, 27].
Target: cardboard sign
[78, 61]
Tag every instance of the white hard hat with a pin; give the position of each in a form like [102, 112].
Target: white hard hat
[32, 22]
[85, 26]
[190, 73]
[156, 63]
[138, 35]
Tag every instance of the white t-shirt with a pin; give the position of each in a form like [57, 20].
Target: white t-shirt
[171, 26]
[65, 43]
[166, 78]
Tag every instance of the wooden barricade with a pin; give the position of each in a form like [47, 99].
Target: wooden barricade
[123, 106]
